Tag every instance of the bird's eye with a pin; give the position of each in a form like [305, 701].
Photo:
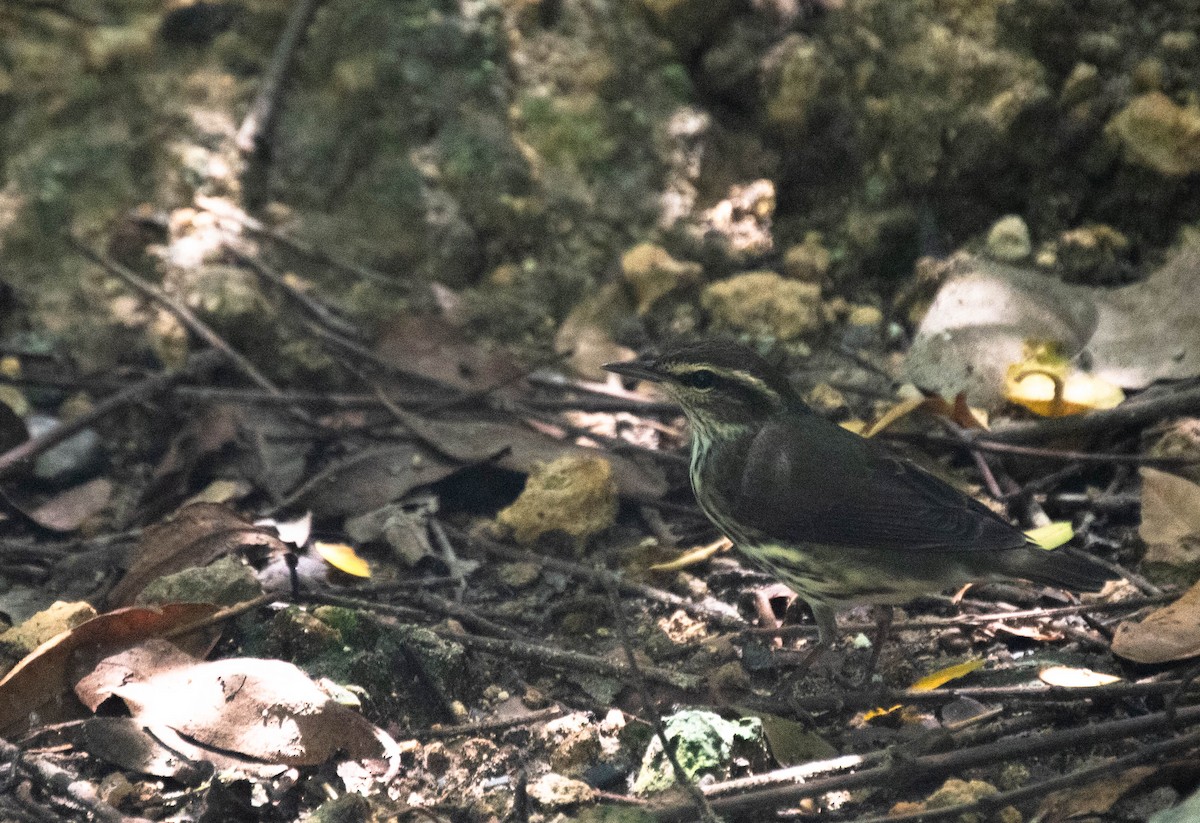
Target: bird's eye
[701, 379]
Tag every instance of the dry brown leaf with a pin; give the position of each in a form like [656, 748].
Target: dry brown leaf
[124, 742]
[431, 346]
[200, 439]
[265, 710]
[1170, 633]
[1092, 798]
[197, 535]
[521, 449]
[1170, 518]
[41, 681]
[373, 478]
[68, 510]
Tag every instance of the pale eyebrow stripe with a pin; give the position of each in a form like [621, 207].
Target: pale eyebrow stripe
[738, 375]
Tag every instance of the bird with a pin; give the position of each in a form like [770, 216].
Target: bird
[836, 517]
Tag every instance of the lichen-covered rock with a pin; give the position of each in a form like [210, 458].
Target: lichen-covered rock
[224, 582]
[652, 272]
[575, 494]
[1096, 254]
[798, 72]
[689, 23]
[573, 741]
[765, 304]
[1158, 133]
[808, 261]
[1008, 240]
[44, 625]
[553, 791]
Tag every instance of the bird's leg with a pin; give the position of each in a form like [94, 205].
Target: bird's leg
[825, 617]
[883, 625]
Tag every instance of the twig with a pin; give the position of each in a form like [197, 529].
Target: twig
[1133, 413]
[488, 726]
[319, 311]
[566, 659]
[923, 768]
[224, 209]
[227, 613]
[68, 785]
[972, 619]
[639, 684]
[983, 441]
[259, 122]
[181, 311]
[1041, 789]
[868, 698]
[601, 576]
[198, 364]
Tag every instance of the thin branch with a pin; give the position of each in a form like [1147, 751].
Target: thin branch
[177, 308]
[1042, 788]
[197, 365]
[259, 122]
[908, 771]
[724, 619]
[639, 684]
[1132, 414]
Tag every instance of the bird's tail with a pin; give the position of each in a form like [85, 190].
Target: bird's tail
[1064, 568]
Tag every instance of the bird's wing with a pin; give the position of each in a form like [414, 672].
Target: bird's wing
[807, 480]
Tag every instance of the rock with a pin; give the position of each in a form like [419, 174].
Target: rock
[518, 575]
[1082, 83]
[796, 72]
[1180, 439]
[1008, 240]
[765, 304]
[574, 743]
[1149, 75]
[553, 791]
[80, 455]
[224, 582]
[1157, 133]
[652, 273]
[743, 220]
[1180, 42]
[808, 261]
[46, 624]
[865, 316]
[575, 494]
[1096, 254]
[690, 24]
[826, 399]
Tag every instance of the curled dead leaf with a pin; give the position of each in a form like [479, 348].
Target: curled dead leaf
[1170, 633]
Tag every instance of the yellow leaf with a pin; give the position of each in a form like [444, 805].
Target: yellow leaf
[692, 556]
[343, 558]
[878, 712]
[1073, 678]
[1052, 535]
[1048, 384]
[930, 682]
[943, 676]
[902, 409]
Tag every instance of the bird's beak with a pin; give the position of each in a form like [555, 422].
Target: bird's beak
[643, 368]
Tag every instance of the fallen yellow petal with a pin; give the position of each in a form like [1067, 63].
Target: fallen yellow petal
[343, 558]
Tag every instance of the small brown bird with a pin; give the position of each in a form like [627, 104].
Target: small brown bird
[835, 516]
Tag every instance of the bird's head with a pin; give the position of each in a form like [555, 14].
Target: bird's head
[722, 386]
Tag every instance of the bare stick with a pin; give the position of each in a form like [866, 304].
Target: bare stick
[907, 771]
[260, 120]
[181, 311]
[197, 365]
